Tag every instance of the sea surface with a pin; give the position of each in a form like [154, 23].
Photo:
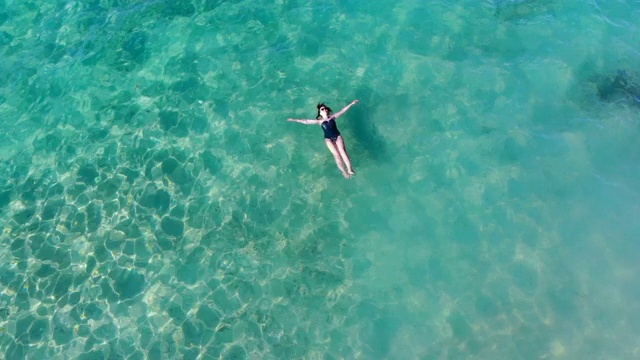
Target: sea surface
[156, 204]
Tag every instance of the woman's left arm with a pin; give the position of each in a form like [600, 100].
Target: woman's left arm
[344, 110]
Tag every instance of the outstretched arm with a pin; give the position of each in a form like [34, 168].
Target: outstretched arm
[344, 110]
[305, 121]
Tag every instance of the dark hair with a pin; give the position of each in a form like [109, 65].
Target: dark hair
[323, 105]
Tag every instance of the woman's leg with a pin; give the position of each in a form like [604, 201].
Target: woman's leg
[336, 155]
[343, 153]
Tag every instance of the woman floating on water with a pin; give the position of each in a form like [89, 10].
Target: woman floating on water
[332, 136]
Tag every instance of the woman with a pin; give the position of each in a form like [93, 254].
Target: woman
[332, 136]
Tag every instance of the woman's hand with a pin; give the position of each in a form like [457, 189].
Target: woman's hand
[290, 119]
[354, 102]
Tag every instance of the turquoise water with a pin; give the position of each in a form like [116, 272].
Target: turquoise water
[156, 204]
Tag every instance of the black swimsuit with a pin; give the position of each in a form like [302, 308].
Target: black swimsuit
[330, 129]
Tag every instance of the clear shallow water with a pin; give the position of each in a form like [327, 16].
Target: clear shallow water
[156, 204]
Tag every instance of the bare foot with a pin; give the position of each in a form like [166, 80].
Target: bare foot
[351, 172]
[346, 175]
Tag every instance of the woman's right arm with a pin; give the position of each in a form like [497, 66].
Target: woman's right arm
[304, 121]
